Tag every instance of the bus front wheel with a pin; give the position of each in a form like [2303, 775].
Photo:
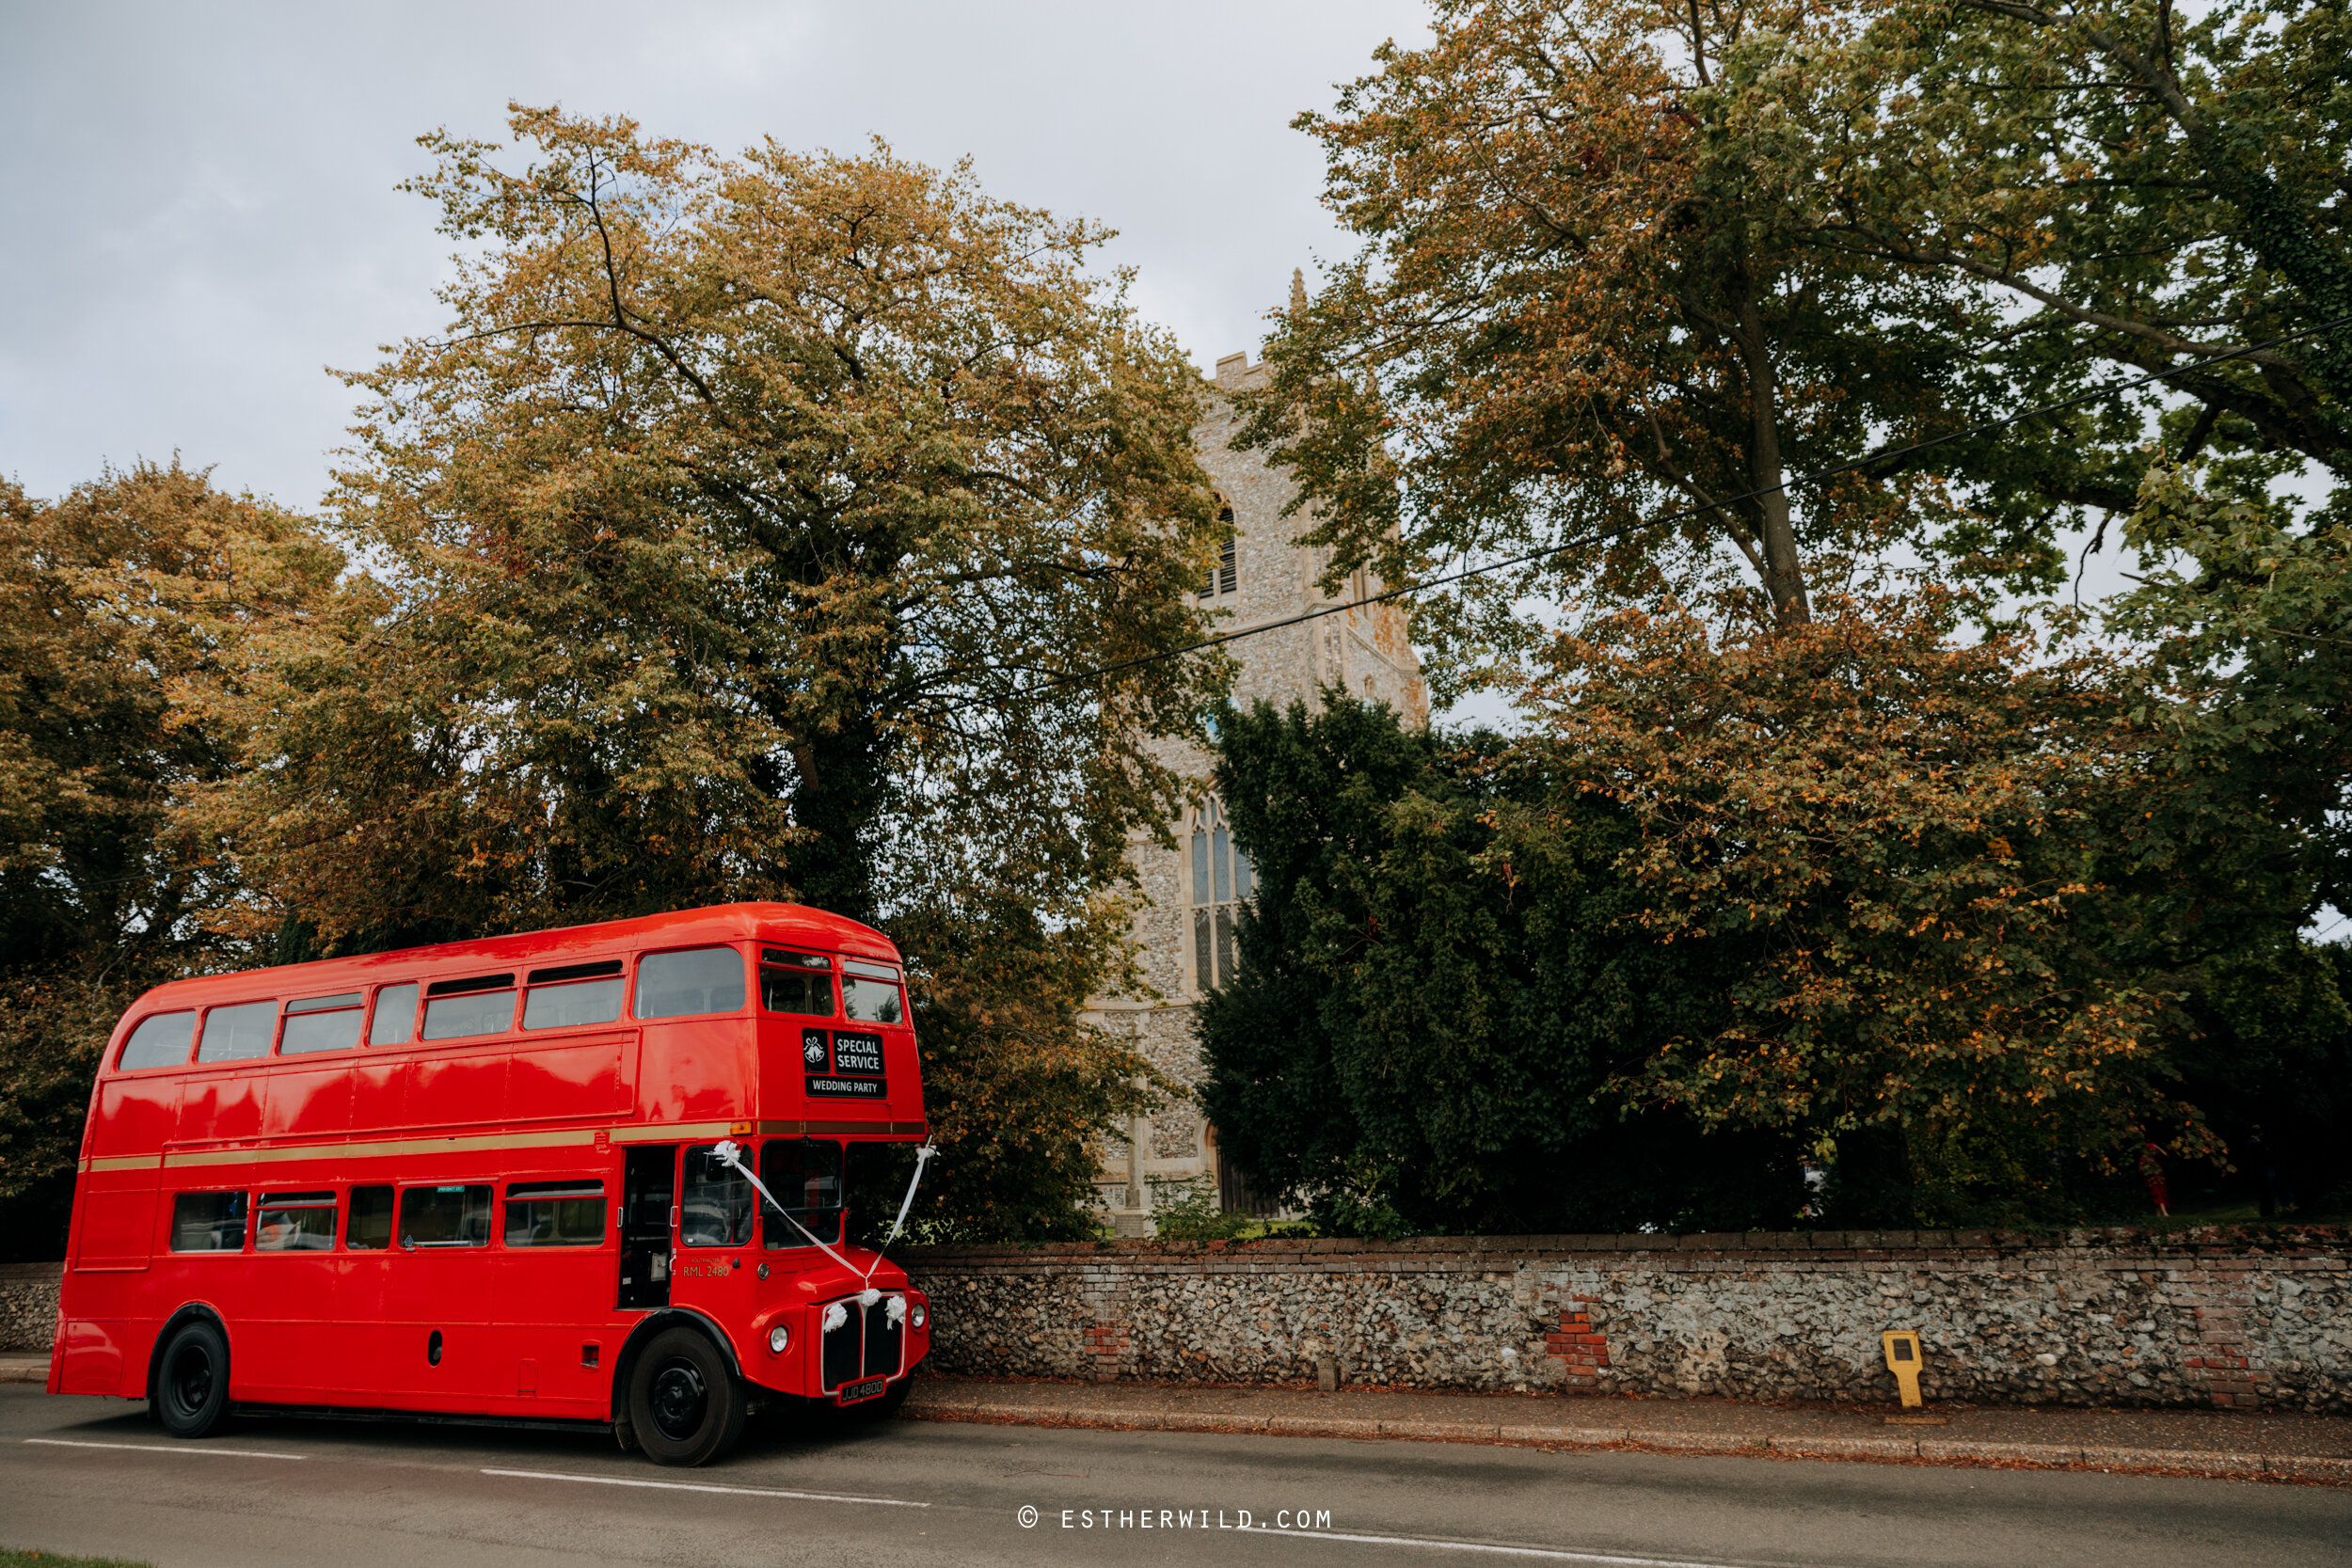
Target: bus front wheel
[191, 1381]
[684, 1406]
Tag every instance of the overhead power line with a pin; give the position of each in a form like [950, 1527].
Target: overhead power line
[1876, 455]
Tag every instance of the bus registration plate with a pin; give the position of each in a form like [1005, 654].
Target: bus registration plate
[852, 1393]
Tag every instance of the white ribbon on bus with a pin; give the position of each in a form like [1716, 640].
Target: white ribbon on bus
[731, 1153]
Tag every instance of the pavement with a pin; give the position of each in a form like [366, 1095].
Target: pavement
[2230, 1444]
[2243, 1445]
[95, 1476]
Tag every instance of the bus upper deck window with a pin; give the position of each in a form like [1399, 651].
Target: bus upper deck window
[395, 1016]
[483, 1005]
[698, 980]
[158, 1041]
[238, 1034]
[795, 983]
[870, 992]
[321, 1024]
[573, 994]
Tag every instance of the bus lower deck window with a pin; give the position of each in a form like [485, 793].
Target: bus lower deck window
[295, 1222]
[208, 1222]
[445, 1216]
[805, 1176]
[371, 1219]
[554, 1214]
[715, 1209]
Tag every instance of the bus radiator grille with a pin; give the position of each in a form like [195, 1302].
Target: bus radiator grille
[882, 1340]
[843, 1354]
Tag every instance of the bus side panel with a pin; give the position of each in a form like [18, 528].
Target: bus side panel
[311, 1101]
[567, 1076]
[90, 1355]
[451, 1090]
[695, 1070]
[132, 1115]
[217, 1106]
[553, 1304]
[113, 1218]
[377, 1088]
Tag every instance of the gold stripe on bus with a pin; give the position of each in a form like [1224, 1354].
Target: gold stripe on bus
[672, 1132]
[569, 1140]
[124, 1162]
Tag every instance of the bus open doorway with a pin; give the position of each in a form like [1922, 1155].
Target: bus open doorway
[649, 1216]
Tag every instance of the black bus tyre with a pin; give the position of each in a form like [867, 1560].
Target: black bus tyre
[191, 1381]
[684, 1406]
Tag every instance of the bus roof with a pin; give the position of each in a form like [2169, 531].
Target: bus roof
[785, 923]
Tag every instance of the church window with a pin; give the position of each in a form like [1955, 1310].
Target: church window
[1222, 878]
[1224, 580]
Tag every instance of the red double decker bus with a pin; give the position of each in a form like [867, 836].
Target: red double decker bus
[592, 1174]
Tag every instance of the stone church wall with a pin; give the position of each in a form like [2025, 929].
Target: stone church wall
[1365, 652]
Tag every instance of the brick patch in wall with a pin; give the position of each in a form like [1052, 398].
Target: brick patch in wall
[1583, 1354]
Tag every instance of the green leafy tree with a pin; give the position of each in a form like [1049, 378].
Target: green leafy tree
[2136, 189]
[1594, 312]
[1435, 990]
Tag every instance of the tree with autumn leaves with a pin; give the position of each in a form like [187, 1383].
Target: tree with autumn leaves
[115, 599]
[1691, 320]
[763, 526]
[753, 530]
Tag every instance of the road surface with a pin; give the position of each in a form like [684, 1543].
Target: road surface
[92, 1475]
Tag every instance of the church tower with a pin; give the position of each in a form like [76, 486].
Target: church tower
[1186, 931]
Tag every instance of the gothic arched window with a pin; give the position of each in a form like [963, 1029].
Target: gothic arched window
[1222, 878]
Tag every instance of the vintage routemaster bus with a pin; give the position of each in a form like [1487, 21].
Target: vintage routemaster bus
[508, 1178]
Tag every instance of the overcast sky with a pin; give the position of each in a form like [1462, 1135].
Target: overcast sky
[200, 215]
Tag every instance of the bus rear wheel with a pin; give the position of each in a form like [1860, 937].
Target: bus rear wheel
[684, 1406]
[191, 1381]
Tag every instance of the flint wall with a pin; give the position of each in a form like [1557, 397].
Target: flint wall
[2244, 1319]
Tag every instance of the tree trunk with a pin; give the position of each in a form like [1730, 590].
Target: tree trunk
[1784, 575]
[838, 796]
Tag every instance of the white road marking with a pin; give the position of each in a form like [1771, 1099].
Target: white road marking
[1436, 1544]
[691, 1486]
[164, 1447]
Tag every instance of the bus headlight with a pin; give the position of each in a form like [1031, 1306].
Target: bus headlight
[919, 1314]
[778, 1338]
